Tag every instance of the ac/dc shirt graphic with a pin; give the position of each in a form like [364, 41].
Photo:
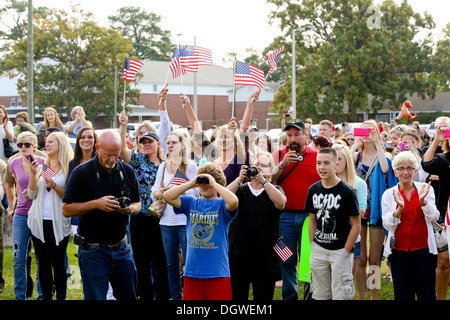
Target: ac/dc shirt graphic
[333, 208]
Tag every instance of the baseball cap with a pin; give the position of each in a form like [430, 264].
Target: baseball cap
[149, 135]
[299, 125]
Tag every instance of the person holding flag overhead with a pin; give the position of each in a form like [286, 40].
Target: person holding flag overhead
[176, 170]
[255, 230]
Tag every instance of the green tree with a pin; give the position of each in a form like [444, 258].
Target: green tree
[14, 20]
[442, 60]
[150, 41]
[357, 56]
[74, 62]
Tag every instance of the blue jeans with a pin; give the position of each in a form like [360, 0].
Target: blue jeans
[21, 240]
[174, 238]
[100, 266]
[291, 225]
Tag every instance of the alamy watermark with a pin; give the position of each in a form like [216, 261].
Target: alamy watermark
[374, 20]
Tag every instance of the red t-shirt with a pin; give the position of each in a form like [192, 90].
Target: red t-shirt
[296, 185]
[412, 232]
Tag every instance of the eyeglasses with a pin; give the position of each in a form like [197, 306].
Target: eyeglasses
[409, 169]
[23, 144]
[308, 122]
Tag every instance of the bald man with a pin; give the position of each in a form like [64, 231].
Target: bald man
[103, 192]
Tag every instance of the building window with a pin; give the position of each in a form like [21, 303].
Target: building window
[12, 102]
[19, 102]
[155, 88]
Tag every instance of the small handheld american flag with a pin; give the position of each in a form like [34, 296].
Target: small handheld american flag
[179, 178]
[282, 250]
[47, 172]
[130, 68]
[273, 58]
[248, 75]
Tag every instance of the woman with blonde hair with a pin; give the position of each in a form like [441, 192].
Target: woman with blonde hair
[51, 120]
[346, 171]
[50, 230]
[373, 164]
[232, 153]
[173, 226]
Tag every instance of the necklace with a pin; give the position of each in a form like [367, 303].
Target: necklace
[172, 170]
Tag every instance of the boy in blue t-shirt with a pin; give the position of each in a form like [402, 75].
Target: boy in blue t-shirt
[207, 271]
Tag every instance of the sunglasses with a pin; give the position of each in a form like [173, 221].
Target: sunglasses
[22, 144]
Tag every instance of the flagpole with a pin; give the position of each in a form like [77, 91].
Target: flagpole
[124, 92]
[234, 89]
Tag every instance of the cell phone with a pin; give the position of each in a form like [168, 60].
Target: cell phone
[30, 157]
[404, 146]
[361, 132]
[446, 133]
[25, 192]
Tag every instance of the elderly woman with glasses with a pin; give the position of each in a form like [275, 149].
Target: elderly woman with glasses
[408, 210]
[20, 169]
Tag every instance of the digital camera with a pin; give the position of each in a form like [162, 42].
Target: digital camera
[252, 171]
[124, 202]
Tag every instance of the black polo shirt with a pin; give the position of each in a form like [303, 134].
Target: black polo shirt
[85, 185]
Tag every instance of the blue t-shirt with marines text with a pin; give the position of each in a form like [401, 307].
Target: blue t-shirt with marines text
[207, 239]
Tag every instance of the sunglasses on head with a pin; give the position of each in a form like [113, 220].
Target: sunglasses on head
[23, 144]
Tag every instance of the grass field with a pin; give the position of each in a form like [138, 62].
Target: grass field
[75, 292]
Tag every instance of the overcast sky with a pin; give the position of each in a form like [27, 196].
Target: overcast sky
[222, 26]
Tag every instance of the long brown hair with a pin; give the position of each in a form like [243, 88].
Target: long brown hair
[6, 112]
[78, 153]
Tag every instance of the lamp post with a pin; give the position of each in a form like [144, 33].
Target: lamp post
[294, 102]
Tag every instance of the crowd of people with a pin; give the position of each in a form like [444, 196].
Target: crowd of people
[226, 202]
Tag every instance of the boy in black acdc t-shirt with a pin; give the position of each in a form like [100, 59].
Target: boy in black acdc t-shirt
[334, 225]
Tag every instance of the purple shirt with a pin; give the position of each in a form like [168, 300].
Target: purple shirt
[23, 205]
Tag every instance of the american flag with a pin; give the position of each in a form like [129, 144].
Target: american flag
[47, 172]
[179, 178]
[193, 56]
[175, 65]
[248, 75]
[290, 109]
[282, 250]
[273, 58]
[130, 68]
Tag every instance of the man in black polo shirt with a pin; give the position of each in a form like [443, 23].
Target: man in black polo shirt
[91, 192]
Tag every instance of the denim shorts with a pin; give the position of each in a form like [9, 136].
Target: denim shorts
[357, 249]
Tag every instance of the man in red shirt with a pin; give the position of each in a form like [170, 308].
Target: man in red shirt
[296, 173]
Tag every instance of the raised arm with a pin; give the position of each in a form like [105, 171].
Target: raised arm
[192, 117]
[125, 152]
[253, 97]
[164, 127]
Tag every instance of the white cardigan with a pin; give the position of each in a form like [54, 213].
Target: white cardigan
[61, 224]
[169, 218]
[388, 207]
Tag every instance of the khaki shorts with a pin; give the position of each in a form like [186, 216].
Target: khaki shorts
[331, 274]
